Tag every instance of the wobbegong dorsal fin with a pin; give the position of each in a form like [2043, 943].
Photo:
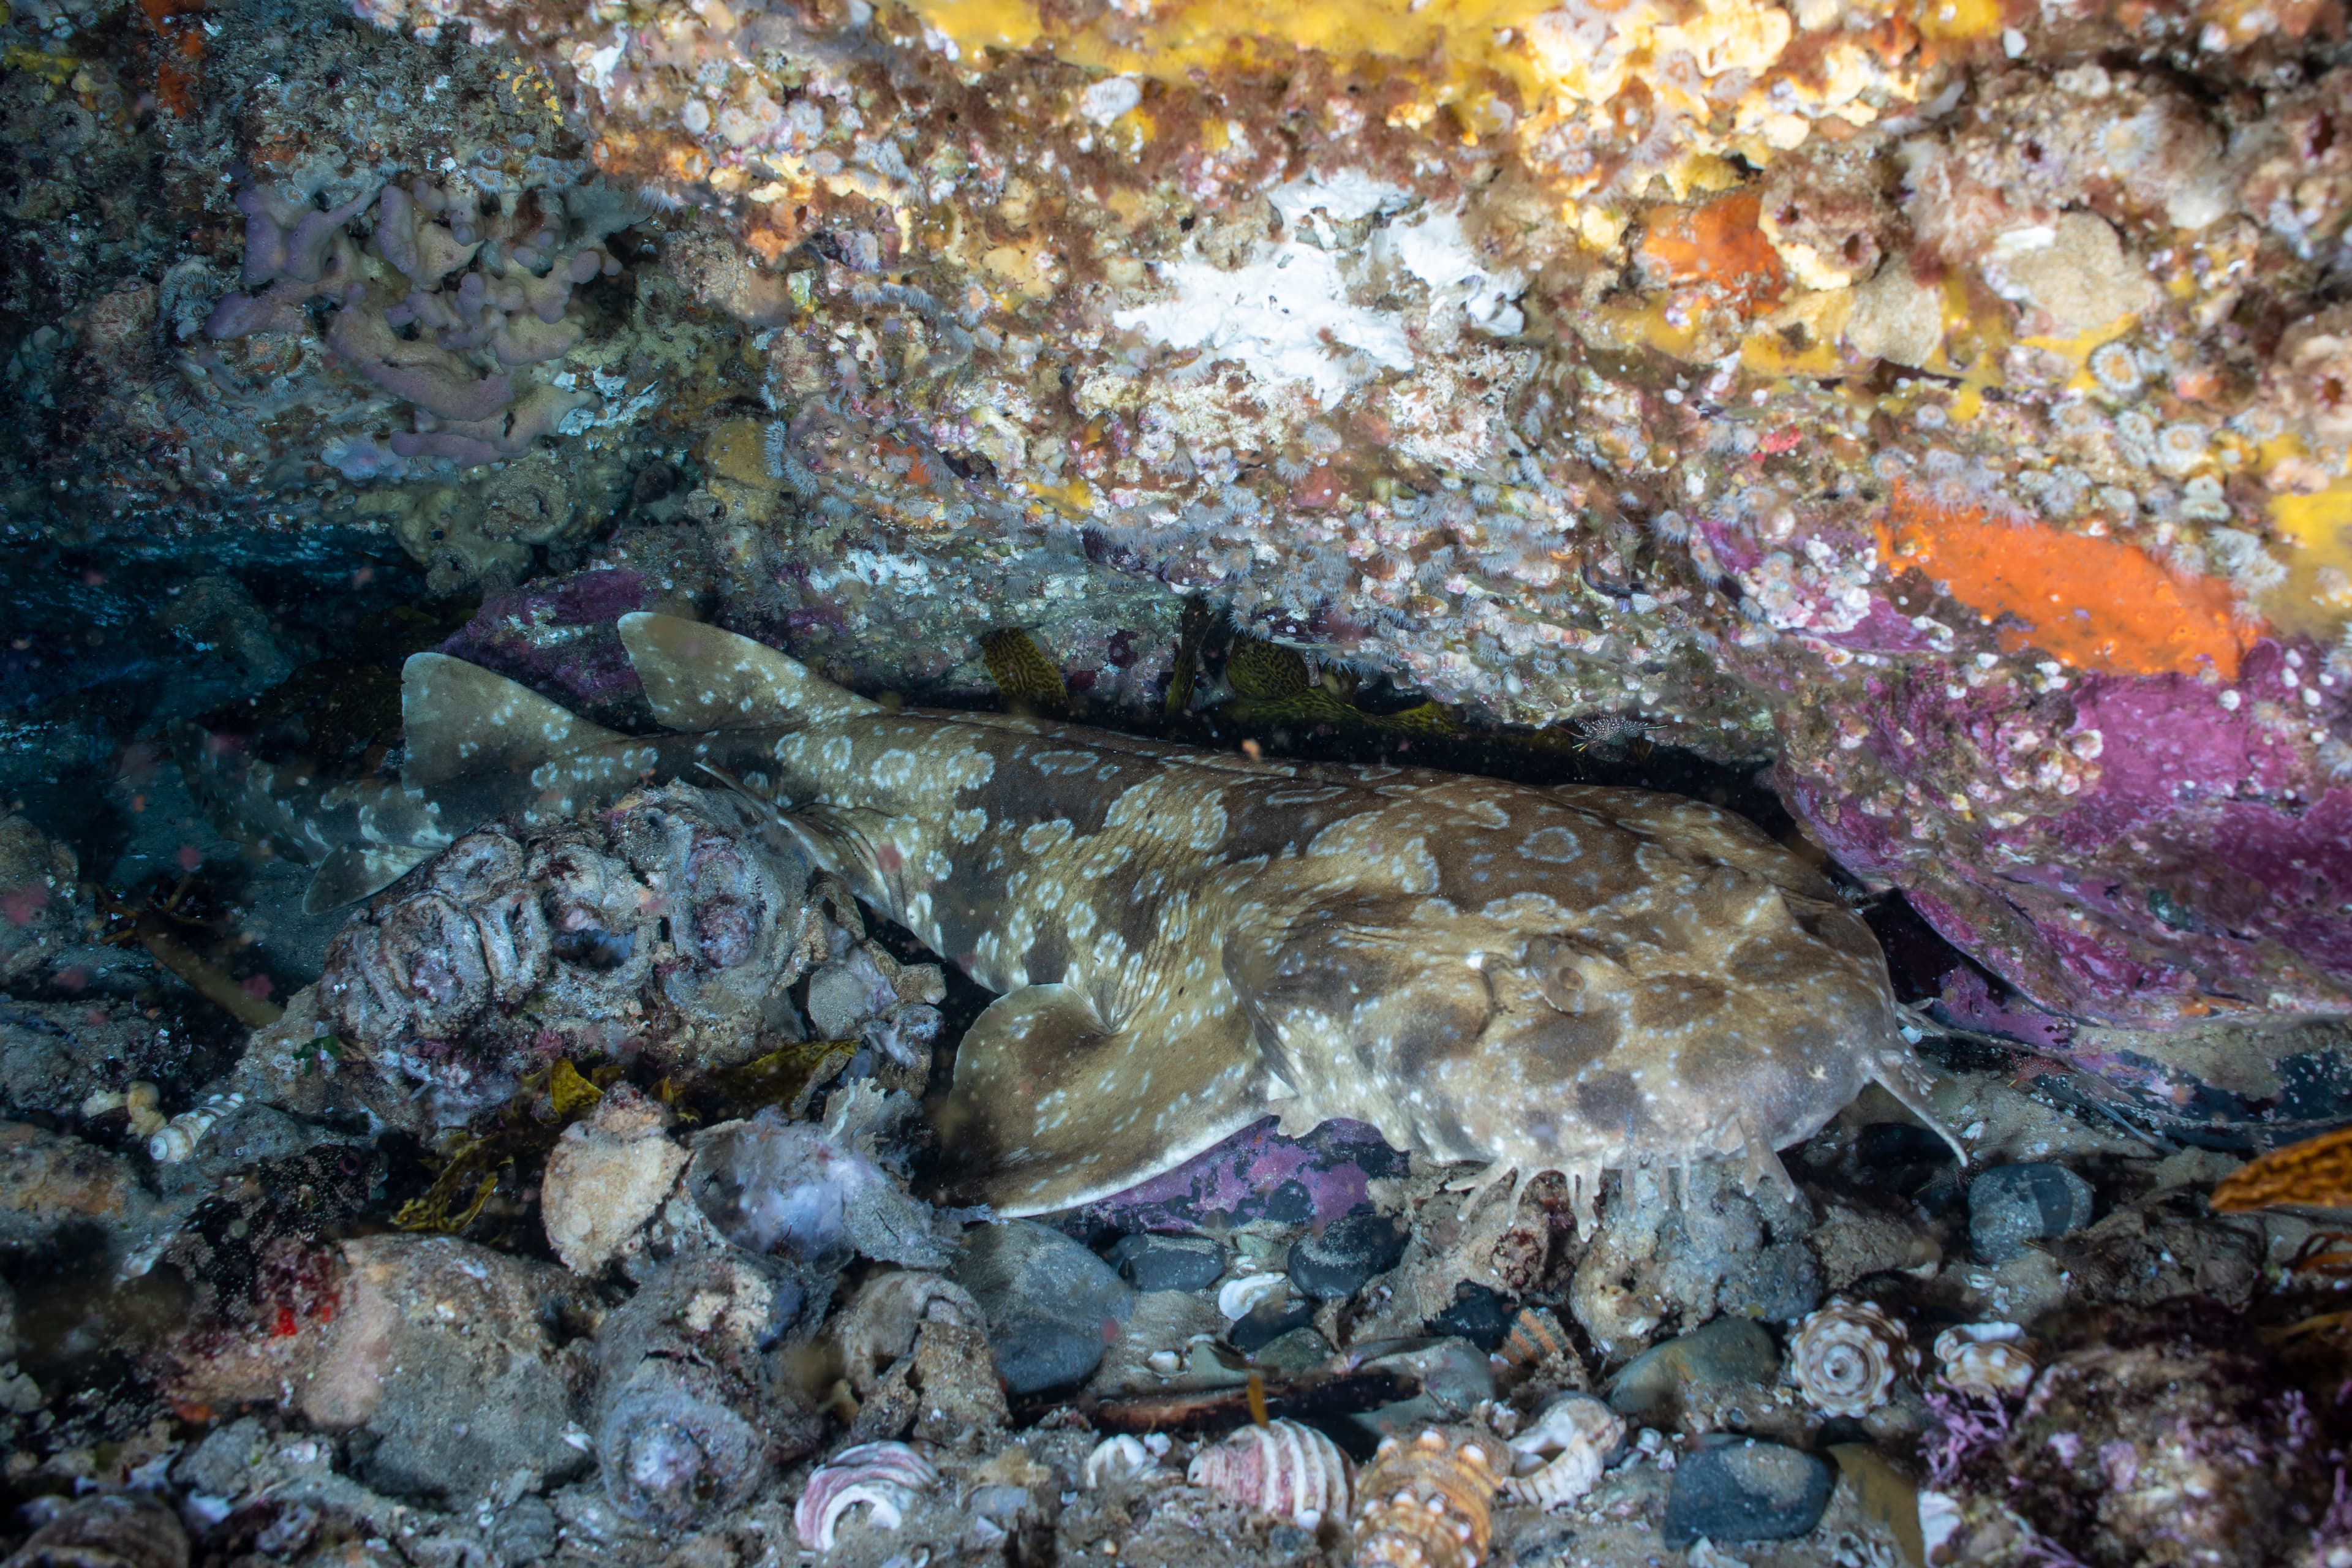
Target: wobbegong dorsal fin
[459, 719]
[698, 678]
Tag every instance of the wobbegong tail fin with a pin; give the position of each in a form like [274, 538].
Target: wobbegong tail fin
[699, 677]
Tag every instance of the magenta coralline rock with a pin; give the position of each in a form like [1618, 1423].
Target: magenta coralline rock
[2138, 850]
[559, 636]
[1257, 1174]
[2200, 869]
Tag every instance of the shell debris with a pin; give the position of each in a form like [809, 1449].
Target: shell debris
[1561, 1458]
[886, 1477]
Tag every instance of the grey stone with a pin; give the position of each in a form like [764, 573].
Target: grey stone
[2010, 1205]
[1727, 1350]
[226, 1463]
[1168, 1262]
[1052, 1305]
[524, 1533]
[1298, 1351]
[1744, 1490]
[1340, 1262]
[1455, 1378]
[1268, 1322]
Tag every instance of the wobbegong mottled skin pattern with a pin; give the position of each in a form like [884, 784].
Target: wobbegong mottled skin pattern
[1570, 979]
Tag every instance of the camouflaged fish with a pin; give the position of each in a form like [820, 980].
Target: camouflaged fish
[1567, 980]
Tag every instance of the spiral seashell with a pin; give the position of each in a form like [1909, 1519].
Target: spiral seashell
[1537, 1337]
[1282, 1468]
[1120, 1459]
[1992, 1361]
[1561, 1458]
[1846, 1358]
[180, 1136]
[886, 1477]
[1425, 1503]
[1237, 1296]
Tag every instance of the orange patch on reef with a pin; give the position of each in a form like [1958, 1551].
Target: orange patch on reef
[1719, 243]
[2097, 603]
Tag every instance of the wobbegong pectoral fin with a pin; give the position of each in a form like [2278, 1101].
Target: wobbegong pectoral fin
[1052, 1107]
[356, 870]
[458, 718]
[699, 677]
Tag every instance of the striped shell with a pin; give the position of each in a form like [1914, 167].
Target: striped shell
[180, 1136]
[1536, 1338]
[886, 1477]
[1990, 1359]
[1282, 1468]
[1561, 1458]
[1425, 1503]
[1847, 1357]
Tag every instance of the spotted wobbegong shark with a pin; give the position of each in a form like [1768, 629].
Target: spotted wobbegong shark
[1568, 979]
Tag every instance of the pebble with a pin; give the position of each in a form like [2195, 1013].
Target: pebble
[1334, 1266]
[1728, 1349]
[2010, 1205]
[1268, 1322]
[1477, 1314]
[1300, 1349]
[1053, 1307]
[1168, 1262]
[1743, 1490]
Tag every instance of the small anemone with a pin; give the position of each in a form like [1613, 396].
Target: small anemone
[2115, 369]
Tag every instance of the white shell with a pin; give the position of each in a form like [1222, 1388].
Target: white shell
[886, 1477]
[1237, 1297]
[1561, 1458]
[180, 1136]
[1846, 1358]
[1164, 1363]
[1120, 1459]
[1282, 1468]
[1990, 1359]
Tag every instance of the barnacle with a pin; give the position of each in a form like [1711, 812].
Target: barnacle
[1425, 1502]
[1847, 1357]
[1282, 1468]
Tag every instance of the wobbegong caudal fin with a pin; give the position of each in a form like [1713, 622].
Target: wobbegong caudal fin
[699, 677]
[459, 719]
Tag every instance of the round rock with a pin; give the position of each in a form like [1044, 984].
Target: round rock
[1168, 1262]
[1727, 1350]
[1053, 1307]
[1334, 1266]
[1747, 1490]
[2010, 1205]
